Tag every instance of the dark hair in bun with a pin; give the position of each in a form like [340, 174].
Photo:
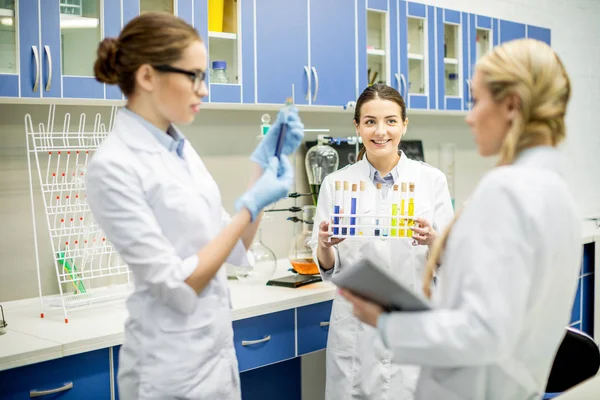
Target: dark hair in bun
[105, 68]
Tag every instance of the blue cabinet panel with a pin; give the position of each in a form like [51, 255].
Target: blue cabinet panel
[89, 373]
[587, 300]
[589, 251]
[201, 25]
[538, 33]
[441, 73]
[9, 85]
[247, 20]
[496, 28]
[273, 382]
[452, 16]
[279, 326]
[225, 93]
[50, 49]
[484, 22]
[454, 104]
[381, 5]
[82, 87]
[417, 10]
[115, 368]
[282, 51]
[333, 52]
[28, 38]
[112, 18]
[394, 46]
[466, 59]
[131, 9]
[361, 19]
[576, 311]
[184, 10]
[403, 29]
[511, 31]
[313, 327]
[418, 101]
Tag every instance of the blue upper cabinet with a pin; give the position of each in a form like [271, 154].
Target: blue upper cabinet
[333, 52]
[511, 31]
[452, 57]
[417, 54]
[375, 45]
[282, 65]
[542, 34]
[483, 36]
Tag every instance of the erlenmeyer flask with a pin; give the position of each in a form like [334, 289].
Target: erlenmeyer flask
[262, 263]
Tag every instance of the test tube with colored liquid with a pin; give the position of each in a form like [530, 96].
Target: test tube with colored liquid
[361, 197]
[411, 207]
[346, 207]
[377, 231]
[395, 198]
[353, 201]
[403, 196]
[337, 205]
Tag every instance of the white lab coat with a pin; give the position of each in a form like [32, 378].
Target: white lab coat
[358, 364]
[159, 211]
[505, 292]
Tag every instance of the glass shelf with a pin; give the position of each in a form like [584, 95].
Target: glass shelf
[80, 34]
[377, 54]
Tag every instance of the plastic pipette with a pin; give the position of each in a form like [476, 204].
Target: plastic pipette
[281, 138]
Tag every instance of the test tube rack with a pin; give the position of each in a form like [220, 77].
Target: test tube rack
[88, 269]
[347, 221]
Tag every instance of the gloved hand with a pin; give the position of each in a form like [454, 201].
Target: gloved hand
[273, 185]
[294, 134]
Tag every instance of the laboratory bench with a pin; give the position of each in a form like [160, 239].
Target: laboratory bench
[284, 324]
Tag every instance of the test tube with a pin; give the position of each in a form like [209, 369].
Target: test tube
[402, 230]
[337, 204]
[395, 198]
[411, 207]
[361, 197]
[378, 209]
[346, 207]
[353, 201]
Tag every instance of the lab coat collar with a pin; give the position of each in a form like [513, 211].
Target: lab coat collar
[135, 134]
[545, 157]
[365, 167]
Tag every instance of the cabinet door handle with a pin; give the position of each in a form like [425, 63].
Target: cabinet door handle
[309, 82]
[49, 55]
[251, 342]
[324, 323]
[398, 81]
[314, 70]
[39, 393]
[37, 68]
[468, 94]
[405, 86]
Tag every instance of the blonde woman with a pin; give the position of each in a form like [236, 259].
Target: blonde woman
[510, 261]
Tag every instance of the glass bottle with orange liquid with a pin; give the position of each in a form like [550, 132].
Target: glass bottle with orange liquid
[300, 255]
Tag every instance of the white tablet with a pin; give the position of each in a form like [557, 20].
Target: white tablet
[373, 283]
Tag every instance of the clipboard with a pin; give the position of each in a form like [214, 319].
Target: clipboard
[369, 281]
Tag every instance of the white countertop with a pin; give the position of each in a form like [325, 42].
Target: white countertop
[31, 339]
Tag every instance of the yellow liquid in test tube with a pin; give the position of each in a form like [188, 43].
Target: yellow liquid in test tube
[394, 232]
[402, 231]
[411, 207]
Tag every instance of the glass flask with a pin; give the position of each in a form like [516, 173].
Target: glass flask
[300, 255]
[321, 160]
[262, 263]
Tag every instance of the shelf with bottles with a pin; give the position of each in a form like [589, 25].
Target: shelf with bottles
[417, 47]
[483, 40]
[223, 43]
[451, 79]
[377, 47]
[8, 50]
[167, 6]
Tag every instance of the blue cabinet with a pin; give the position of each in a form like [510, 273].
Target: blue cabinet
[332, 52]
[313, 327]
[81, 376]
[282, 65]
[511, 31]
[483, 36]
[452, 58]
[536, 32]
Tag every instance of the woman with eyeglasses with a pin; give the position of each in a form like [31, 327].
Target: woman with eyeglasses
[160, 208]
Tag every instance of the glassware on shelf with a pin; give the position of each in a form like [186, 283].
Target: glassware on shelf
[262, 263]
[321, 160]
[219, 72]
[300, 255]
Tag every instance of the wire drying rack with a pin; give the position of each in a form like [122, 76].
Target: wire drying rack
[88, 269]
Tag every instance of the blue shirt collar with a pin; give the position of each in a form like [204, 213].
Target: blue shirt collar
[389, 179]
[173, 140]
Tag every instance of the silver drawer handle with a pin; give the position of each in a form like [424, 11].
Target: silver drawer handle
[326, 323]
[49, 55]
[251, 342]
[37, 68]
[39, 393]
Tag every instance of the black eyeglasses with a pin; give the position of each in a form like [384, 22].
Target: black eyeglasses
[196, 76]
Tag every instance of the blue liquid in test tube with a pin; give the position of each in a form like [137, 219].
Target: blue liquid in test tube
[353, 209]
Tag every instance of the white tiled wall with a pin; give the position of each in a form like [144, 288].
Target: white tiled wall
[225, 139]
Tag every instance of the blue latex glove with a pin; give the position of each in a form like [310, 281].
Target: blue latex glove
[273, 185]
[293, 137]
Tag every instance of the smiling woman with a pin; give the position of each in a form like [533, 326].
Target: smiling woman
[357, 361]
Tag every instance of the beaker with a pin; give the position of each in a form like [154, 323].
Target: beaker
[300, 255]
[321, 160]
[263, 263]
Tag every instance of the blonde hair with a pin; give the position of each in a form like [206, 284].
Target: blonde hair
[530, 70]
